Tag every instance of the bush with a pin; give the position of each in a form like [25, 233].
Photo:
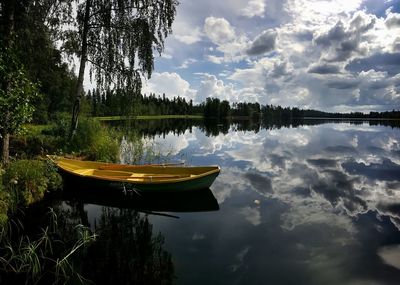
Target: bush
[93, 140]
[28, 180]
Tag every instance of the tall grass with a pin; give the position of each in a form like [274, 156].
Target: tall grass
[93, 140]
[45, 259]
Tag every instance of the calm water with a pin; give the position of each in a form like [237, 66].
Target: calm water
[316, 204]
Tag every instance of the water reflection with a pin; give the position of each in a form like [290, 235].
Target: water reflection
[309, 205]
[127, 251]
[211, 127]
[189, 201]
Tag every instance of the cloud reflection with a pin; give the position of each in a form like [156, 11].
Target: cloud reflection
[328, 202]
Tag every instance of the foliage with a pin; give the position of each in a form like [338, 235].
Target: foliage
[37, 23]
[16, 97]
[28, 180]
[120, 38]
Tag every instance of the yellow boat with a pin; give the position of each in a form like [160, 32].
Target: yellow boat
[154, 177]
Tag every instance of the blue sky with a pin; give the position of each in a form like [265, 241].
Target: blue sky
[341, 55]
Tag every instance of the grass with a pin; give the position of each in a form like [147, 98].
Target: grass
[148, 117]
[46, 258]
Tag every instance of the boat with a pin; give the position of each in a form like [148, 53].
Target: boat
[152, 177]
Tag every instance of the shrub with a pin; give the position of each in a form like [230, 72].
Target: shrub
[28, 180]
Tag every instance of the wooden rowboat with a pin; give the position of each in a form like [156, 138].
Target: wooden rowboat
[154, 177]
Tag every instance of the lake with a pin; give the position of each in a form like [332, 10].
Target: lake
[318, 203]
[309, 205]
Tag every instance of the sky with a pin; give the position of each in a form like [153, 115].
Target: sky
[339, 55]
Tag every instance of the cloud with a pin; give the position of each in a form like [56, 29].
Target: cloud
[211, 86]
[187, 62]
[222, 34]
[260, 182]
[263, 43]
[219, 30]
[215, 59]
[324, 68]
[343, 41]
[254, 8]
[393, 20]
[388, 62]
[337, 55]
[187, 33]
[169, 83]
[342, 83]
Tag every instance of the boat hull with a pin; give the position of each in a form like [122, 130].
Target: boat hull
[204, 182]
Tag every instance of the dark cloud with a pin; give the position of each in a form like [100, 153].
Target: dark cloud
[278, 160]
[261, 183]
[263, 43]
[342, 42]
[387, 170]
[362, 25]
[335, 34]
[342, 83]
[322, 163]
[280, 69]
[302, 191]
[341, 149]
[304, 36]
[392, 208]
[324, 69]
[336, 186]
[389, 62]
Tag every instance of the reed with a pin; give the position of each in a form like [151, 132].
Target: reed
[40, 260]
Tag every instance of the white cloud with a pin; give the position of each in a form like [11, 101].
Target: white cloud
[186, 33]
[254, 8]
[219, 30]
[222, 34]
[214, 59]
[187, 62]
[211, 86]
[169, 83]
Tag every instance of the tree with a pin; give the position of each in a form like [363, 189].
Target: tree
[16, 97]
[117, 38]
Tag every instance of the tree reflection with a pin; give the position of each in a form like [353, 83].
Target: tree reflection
[126, 251]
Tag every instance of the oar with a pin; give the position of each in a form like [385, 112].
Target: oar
[122, 166]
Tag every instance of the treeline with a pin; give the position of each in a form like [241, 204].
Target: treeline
[122, 103]
[353, 115]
